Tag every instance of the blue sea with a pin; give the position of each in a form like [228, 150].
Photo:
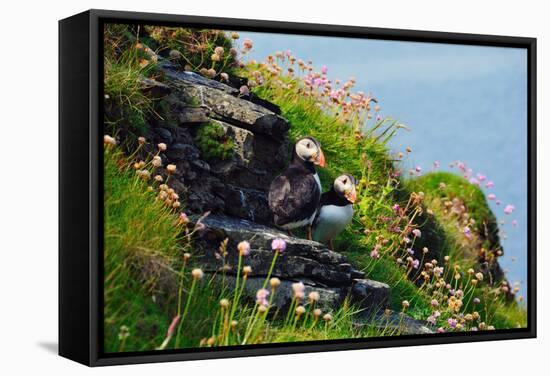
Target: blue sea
[460, 103]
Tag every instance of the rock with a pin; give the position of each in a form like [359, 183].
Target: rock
[174, 74]
[192, 90]
[243, 144]
[329, 298]
[155, 88]
[163, 135]
[181, 152]
[264, 103]
[394, 323]
[193, 115]
[247, 203]
[302, 259]
[371, 294]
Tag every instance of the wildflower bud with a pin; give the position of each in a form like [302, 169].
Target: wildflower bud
[108, 140]
[405, 304]
[224, 303]
[327, 317]
[141, 140]
[479, 276]
[471, 271]
[247, 270]
[224, 76]
[211, 73]
[234, 35]
[186, 256]
[215, 57]
[162, 146]
[211, 341]
[314, 296]
[157, 161]
[219, 51]
[262, 308]
[317, 313]
[300, 310]
[234, 324]
[446, 258]
[176, 204]
[171, 168]
[434, 303]
[183, 219]
[197, 274]
[158, 178]
[274, 282]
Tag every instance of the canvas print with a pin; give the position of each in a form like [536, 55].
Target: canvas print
[263, 188]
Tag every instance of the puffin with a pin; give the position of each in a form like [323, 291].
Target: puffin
[294, 194]
[335, 210]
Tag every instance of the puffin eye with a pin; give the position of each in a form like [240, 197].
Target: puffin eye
[308, 145]
[345, 181]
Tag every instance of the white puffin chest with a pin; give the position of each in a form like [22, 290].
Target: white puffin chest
[331, 221]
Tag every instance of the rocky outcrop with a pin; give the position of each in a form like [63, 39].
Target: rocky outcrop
[309, 262]
[234, 190]
[236, 186]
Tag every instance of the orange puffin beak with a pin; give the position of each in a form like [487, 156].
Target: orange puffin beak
[351, 195]
[320, 161]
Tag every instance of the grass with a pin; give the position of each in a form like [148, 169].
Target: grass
[403, 232]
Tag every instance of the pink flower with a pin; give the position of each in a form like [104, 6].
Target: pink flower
[244, 90]
[467, 232]
[244, 248]
[375, 254]
[418, 169]
[498, 202]
[489, 184]
[278, 245]
[247, 44]
[261, 297]
[452, 323]
[515, 223]
[474, 181]
[299, 290]
[415, 263]
[481, 177]
[440, 330]
[509, 209]
[436, 165]
[491, 196]
[288, 53]
[396, 208]
[417, 233]
[324, 69]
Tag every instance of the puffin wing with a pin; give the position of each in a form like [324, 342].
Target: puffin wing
[293, 198]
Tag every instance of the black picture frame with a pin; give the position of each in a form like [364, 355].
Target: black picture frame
[80, 175]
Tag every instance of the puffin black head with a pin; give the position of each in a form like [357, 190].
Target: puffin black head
[308, 149]
[344, 186]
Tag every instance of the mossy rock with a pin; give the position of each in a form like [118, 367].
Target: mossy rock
[213, 142]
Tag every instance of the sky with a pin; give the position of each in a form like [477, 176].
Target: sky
[460, 102]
